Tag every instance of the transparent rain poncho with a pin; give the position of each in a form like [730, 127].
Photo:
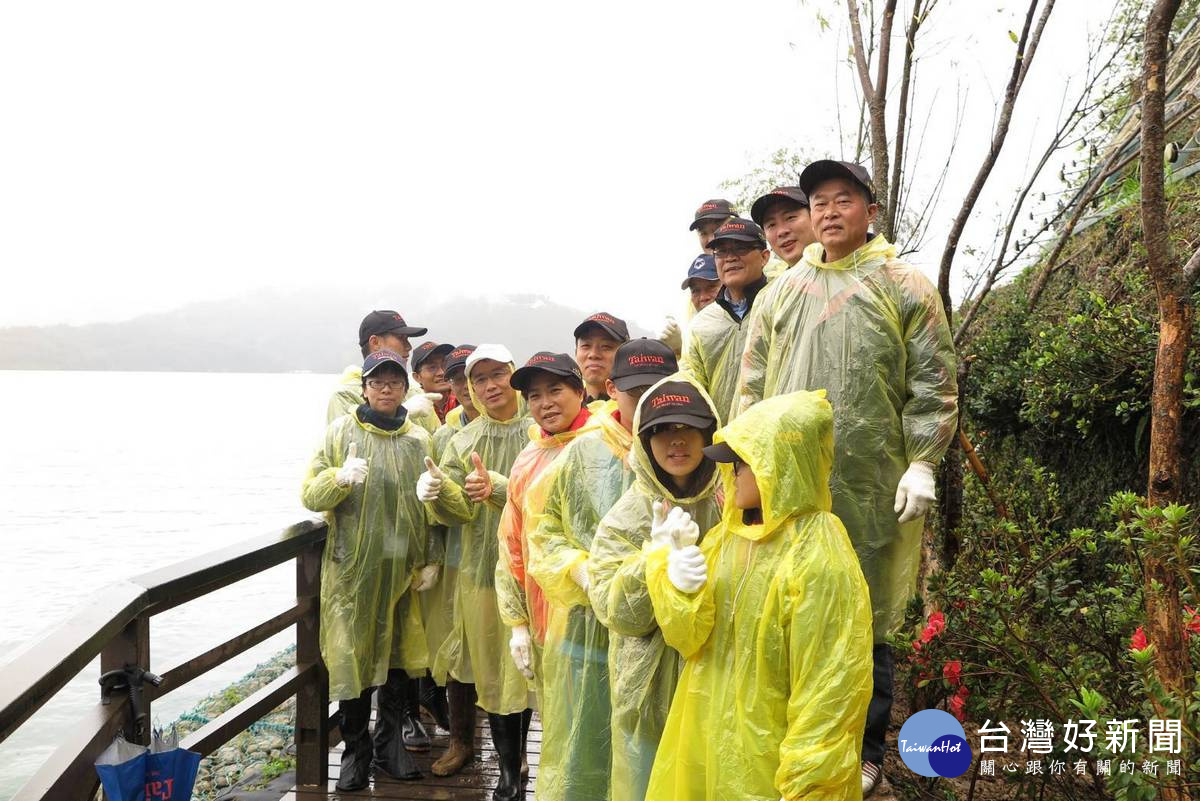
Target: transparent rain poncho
[714, 354]
[378, 537]
[643, 669]
[580, 487]
[773, 696]
[348, 396]
[437, 603]
[870, 330]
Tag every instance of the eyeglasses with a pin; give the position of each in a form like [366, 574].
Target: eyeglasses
[732, 250]
[379, 383]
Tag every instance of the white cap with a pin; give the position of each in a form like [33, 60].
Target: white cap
[497, 353]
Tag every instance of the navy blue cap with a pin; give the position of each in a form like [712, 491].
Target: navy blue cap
[703, 266]
[380, 358]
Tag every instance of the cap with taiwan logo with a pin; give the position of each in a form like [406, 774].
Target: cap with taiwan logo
[378, 323]
[792, 195]
[703, 267]
[642, 362]
[613, 326]
[457, 358]
[715, 209]
[819, 171]
[675, 402]
[739, 229]
[381, 357]
[426, 351]
[557, 364]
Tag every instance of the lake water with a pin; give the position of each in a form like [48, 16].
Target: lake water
[107, 475]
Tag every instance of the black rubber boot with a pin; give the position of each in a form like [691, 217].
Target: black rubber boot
[433, 699]
[412, 730]
[506, 736]
[355, 719]
[390, 754]
[526, 717]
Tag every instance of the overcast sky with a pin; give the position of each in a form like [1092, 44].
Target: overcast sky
[153, 154]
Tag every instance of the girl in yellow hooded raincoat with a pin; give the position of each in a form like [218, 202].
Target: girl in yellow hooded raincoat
[773, 697]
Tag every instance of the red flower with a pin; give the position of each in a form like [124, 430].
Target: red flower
[952, 672]
[1192, 626]
[1138, 641]
[937, 622]
[958, 707]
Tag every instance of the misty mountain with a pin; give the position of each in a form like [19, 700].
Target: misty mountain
[285, 331]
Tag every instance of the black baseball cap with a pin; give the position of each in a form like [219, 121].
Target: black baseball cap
[427, 350]
[381, 357]
[642, 362]
[825, 169]
[739, 229]
[378, 323]
[703, 266]
[794, 194]
[721, 452]
[613, 326]
[675, 402]
[457, 358]
[715, 209]
[559, 364]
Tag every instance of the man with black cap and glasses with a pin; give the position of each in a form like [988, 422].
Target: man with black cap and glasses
[379, 330]
[718, 333]
[596, 341]
[852, 318]
[711, 215]
[784, 217]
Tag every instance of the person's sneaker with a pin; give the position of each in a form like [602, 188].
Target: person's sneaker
[872, 775]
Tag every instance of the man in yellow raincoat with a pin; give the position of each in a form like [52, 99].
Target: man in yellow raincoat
[377, 553]
[643, 669]
[717, 334]
[596, 341]
[580, 488]
[771, 612]
[784, 217]
[379, 330]
[853, 319]
[469, 488]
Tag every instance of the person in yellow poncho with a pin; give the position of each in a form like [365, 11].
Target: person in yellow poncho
[376, 554]
[379, 330]
[853, 319]
[643, 669]
[772, 614]
[596, 341]
[783, 215]
[469, 488]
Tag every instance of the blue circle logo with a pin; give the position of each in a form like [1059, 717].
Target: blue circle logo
[932, 743]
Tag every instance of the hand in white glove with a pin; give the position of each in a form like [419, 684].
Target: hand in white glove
[427, 578]
[671, 335]
[422, 403]
[660, 523]
[430, 482]
[353, 470]
[686, 569]
[478, 484]
[521, 648]
[685, 532]
[915, 492]
[579, 575]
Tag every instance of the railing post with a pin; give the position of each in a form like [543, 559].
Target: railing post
[312, 700]
[131, 647]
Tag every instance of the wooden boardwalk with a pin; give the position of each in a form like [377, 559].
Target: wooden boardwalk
[474, 783]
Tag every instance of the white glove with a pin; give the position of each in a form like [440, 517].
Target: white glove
[915, 492]
[686, 532]
[430, 482]
[579, 575]
[427, 578]
[660, 525]
[353, 470]
[686, 569]
[671, 335]
[422, 403]
[521, 648]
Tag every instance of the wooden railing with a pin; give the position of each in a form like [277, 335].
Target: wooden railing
[115, 624]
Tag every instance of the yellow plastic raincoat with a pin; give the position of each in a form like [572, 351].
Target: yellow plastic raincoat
[378, 537]
[437, 603]
[773, 697]
[580, 487]
[643, 670]
[869, 329]
[476, 649]
[348, 396]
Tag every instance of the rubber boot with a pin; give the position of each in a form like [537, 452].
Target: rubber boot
[526, 717]
[390, 754]
[506, 736]
[412, 730]
[433, 699]
[355, 719]
[461, 748]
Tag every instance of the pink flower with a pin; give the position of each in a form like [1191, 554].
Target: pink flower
[952, 672]
[1138, 641]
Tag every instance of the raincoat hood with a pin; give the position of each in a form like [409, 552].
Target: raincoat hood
[788, 442]
[874, 253]
[641, 461]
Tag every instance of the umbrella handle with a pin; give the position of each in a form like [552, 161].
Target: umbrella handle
[132, 679]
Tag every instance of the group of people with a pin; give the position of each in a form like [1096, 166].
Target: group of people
[685, 552]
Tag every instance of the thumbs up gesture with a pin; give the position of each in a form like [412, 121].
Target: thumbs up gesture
[478, 485]
[422, 403]
[660, 526]
[353, 470]
[430, 482]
